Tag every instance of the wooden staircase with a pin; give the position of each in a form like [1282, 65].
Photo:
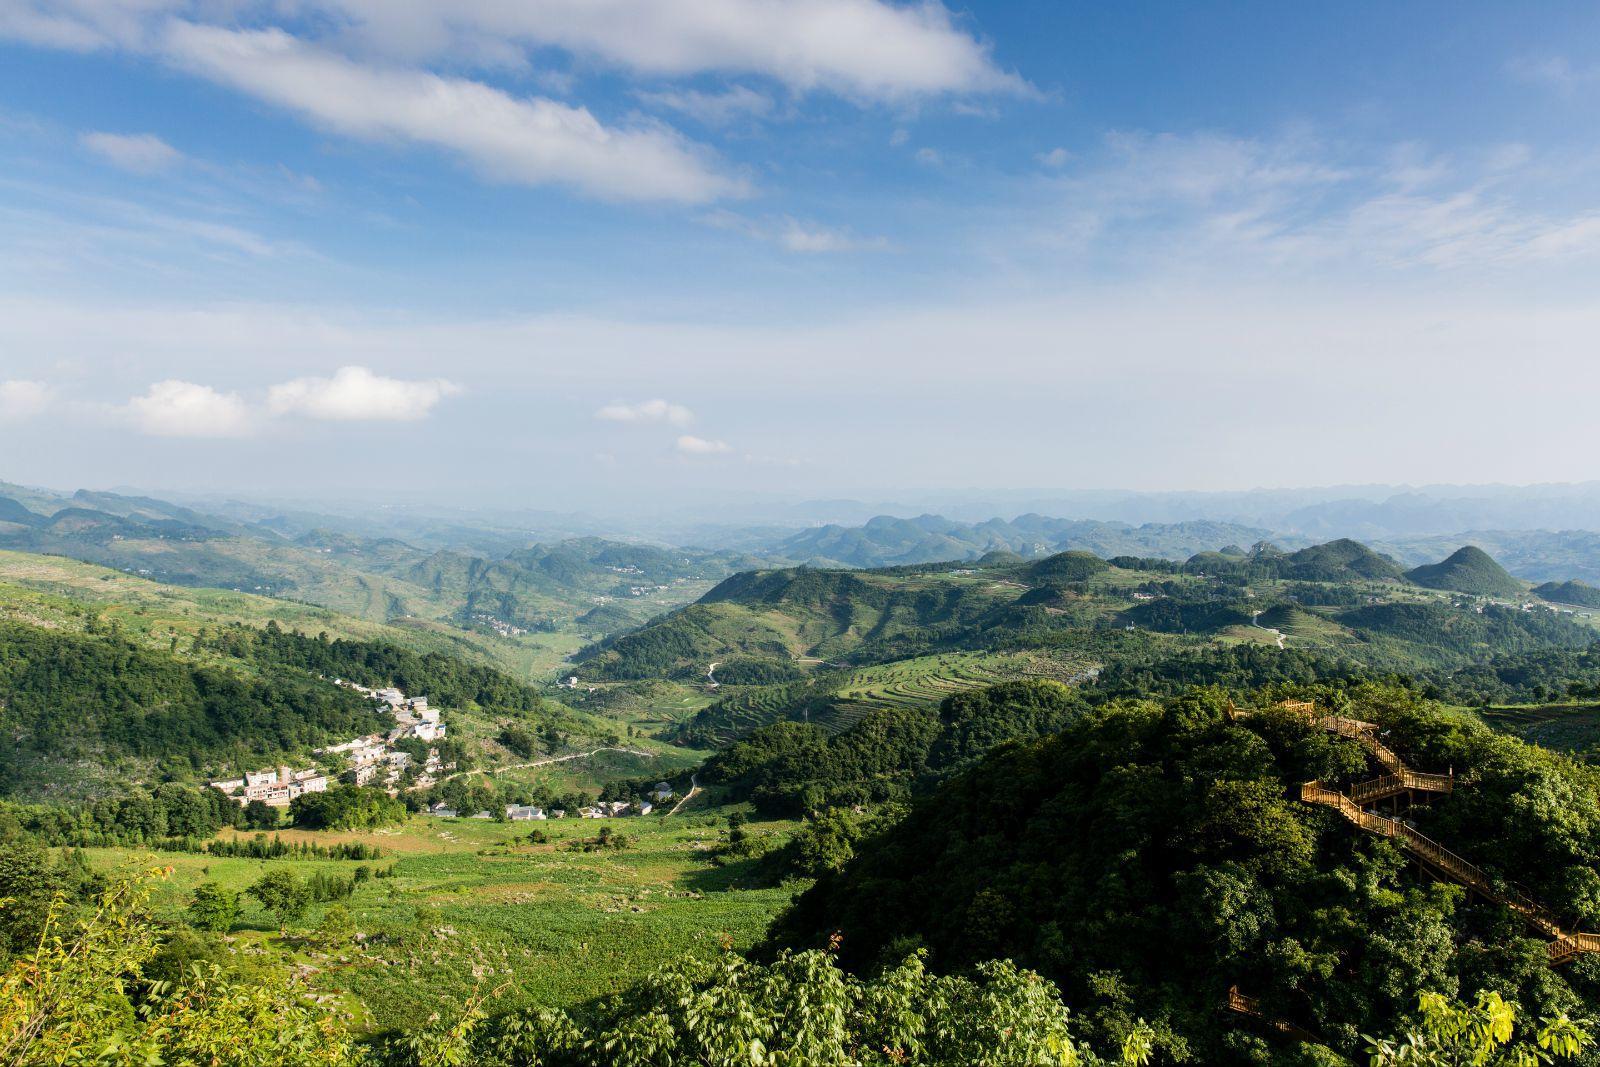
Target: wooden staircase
[1401, 780]
[1241, 1004]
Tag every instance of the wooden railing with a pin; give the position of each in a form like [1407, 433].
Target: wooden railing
[1242, 1004]
[1406, 781]
[1563, 946]
[1248, 1005]
[1570, 946]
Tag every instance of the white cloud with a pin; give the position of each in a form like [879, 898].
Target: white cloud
[1292, 204]
[1553, 72]
[714, 109]
[870, 49]
[21, 399]
[356, 394]
[899, 138]
[139, 153]
[929, 157]
[176, 408]
[796, 235]
[866, 49]
[1056, 158]
[690, 445]
[533, 141]
[646, 411]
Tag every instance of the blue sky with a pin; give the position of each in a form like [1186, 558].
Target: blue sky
[531, 251]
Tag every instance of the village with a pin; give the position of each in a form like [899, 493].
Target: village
[374, 759]
[660, 793]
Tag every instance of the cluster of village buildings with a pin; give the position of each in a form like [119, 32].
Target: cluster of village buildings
[369, 760]
[605, 809]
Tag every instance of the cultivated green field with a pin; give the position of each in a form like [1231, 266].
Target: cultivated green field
[473, 906]
[1570, 728]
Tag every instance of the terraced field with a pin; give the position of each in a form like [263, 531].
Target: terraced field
[836, 700]
[1570, 728]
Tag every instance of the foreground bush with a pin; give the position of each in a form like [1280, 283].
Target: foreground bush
[78, 998]
[800, 1010]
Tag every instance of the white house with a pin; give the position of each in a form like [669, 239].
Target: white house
[523, 812]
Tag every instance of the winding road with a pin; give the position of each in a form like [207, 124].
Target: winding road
[694, 789]
[1275, 633]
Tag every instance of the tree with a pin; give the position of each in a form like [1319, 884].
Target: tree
[336, 926]
[68, 1001]
[213, 908]
[1483, 1034]
[282, 894]
[259, 815]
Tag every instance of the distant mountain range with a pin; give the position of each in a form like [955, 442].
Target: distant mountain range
[888, 541]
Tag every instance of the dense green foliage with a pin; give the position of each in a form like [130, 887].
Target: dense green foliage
[792, 768]
[1067, 567]
[1467, 570]
[448, 681]
[1581, 594]
[346, 808]
[747, 670]
[93, 696]
[82, 995]
[1152, 855]
[1437, 633]
[800, 1009]
[136, 817]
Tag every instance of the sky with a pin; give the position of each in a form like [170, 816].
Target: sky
[547, 252]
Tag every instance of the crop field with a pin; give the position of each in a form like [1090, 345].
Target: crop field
[1570, 728]
[474, 906]
[838, 700]
[929, 679]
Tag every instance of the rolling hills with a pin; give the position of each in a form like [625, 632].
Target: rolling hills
[1468, 569]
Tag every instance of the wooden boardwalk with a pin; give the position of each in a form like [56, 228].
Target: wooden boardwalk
[1400, 782]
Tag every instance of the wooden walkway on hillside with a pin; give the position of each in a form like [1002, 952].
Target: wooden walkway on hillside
[1399, 782]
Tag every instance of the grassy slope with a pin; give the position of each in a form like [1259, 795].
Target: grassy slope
[553, 927]
[1570, 728]
[59, 592]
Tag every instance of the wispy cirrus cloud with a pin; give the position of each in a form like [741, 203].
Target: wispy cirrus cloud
[796, 235]
[138, 153]
[1557, 73]
[1292, 203]
[734, 104]
[690, 445]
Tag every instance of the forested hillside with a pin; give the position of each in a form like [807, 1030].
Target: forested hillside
[78, 705]
[1154, 855]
